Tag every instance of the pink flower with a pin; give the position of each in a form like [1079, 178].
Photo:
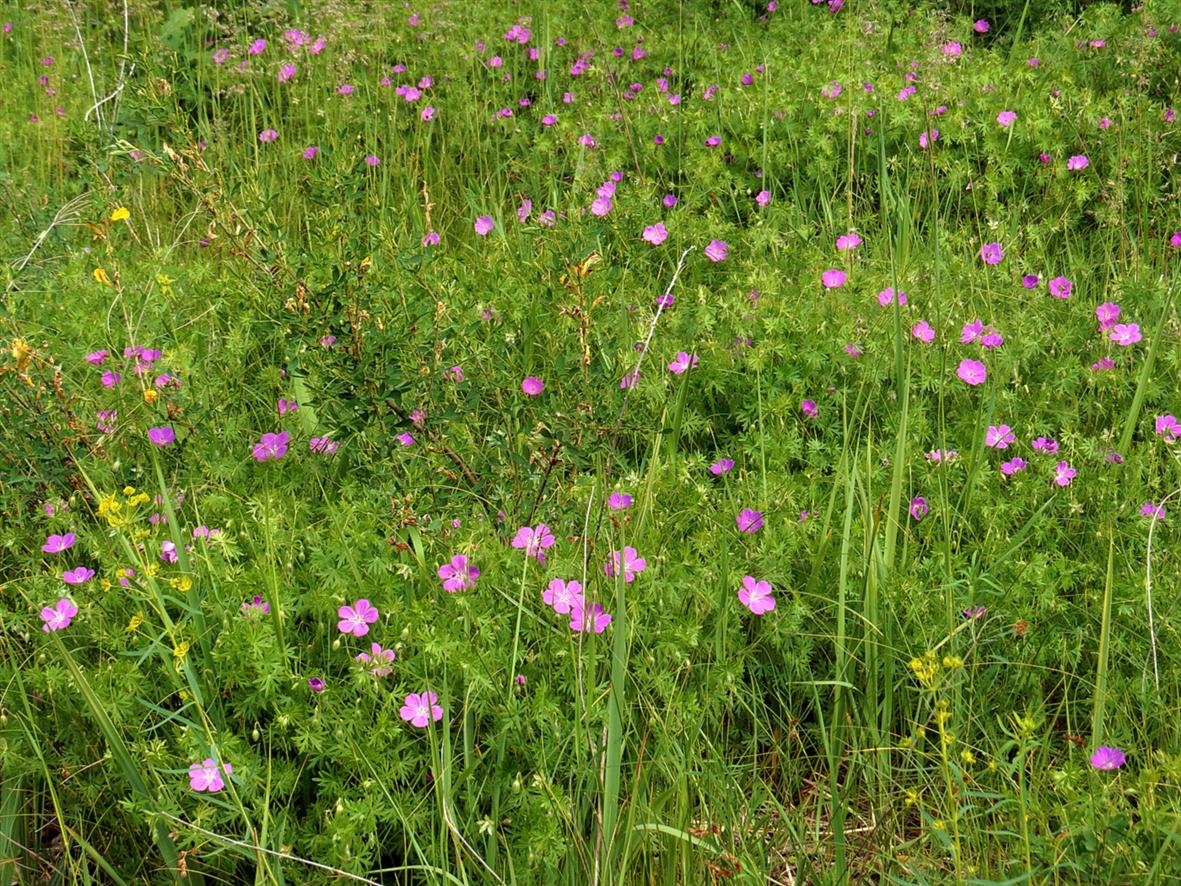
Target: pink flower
[1168, 428]
[887, 297]
[627, 561]
[928, 138]
[207, 775]
[991, 253]
[1107, 313]
[848, 241]
[1006, 118]
[972, 372]
[1125, 334]
[1060, 287]
[356, 619]
[923, 332]
[999, 437]
[1105, 758]
[55, 544]
[483, 225]
[749, 521]
[717, 250]
[458, 575]
[563, 596]
[1078, 162]
[656, 234]
[833, 278]
[619, 501]
[1152, 511]
[755, 595]
[588, 618]
[59, 615]
[1064, 473]
[77, 576]
[682, 362]
[110, 378]
[1013, 465]
[534, 540]
[420, 710]
[918, 508]
[377, 658]
[267, 136]
[532, 385]
[763, 198]
[271, 447]
[1047, 445]
[97, 358]
[721, 466]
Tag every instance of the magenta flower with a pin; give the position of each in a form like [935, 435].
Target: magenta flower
[809, 409]
[1153, 511]
[1006, 118]
[357, 618]
[1064, 473]
[286, 72]
[161, 436]
[629, 380]
[483, 225]
[372, 160]
[77, 576]
[991, 253]
[928, 138]
[999, 437]
[656, 234]
[755, 595]
[588, 618]
[533, 540]
[1125, 334]
[939, 455]
[255, 606]
[888, 297]
[682, 362]
[1108, 759]
[848, 241]
[563, 596]
[763, 198]
[972, 372]
[619, 501]
[419, 710]
[271, 446]
[923, 332]
[749, 520]
[1107, 313]
[55, 544]
[1047, 445]
[717, 250]
[322, 445]
[918, 508]
[405, 438]
[1078, 162]
[1175, 240]
[430, 238]
[378, 659]
[458, 575]
[267, 136]
[97, 358]
[1060, 287]
[1013, 465]
[59, 615]
[532, 385]
[833, 278]
[1030, 281]
[1168, 428]
[981, 26]
[207, 775]
[316, 684]
[722, 466]
[627, 561]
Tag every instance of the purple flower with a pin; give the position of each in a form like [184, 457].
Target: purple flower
[458, 575]
[656, 234]
[833, 278]
[588, 618]
[1168, 428]
[161, 436]
[923, 332]
[682, 362]
[1107, 758]
[999, 437]
[532, 385]
[378, 659]
[322, 445]
[717, 250]
[483, 225]
[981, 26]
[928, 137]
[939, 455]
[991, 253]
[207, 775]
[372, 160]
[755, 595]
[267, 136]
[534, 540]
[405, 438]
[972, 372]
[1107, 313]
[77, 576]
[1013, 465]
[629, 380]
[59, 615]
[55, 544]
[848, 241]
[627, 561]
[1060, 287]
[316, 684]
[669, 201]
[1153, 511]
[1030, 281]
[722, 466]
[96, 358]
[918, 508]
[1078, 162]
[110, 378]
[1006, 118]
[808, 407]
[356, 619]
[1064, 473]
[1047, 445]
[749, 520]
[563, 596]
[286, 72]
[271, 446]
[888, 297]
[1125, 334]
[619, 501]
[255, 606]
[419, 710]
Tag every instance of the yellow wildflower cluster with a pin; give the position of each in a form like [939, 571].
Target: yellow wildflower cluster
[120, 513]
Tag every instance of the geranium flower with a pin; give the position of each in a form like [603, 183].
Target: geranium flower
[1107, 313]
[483, 225]
[1153, 511]
[809, 409]
[356, 619]
[918, 508]
[928, 138]
[562, 596]
[1168, 428]
[534, 540]
[255, 606]
[458, 575]
[377, 658]
[748, 520]
[97, 358]
[532, 385]
[717, 250]
[271, 446]
[1064, 473]
[1107, 758]
[588, 618]
[923, 332]
[1047, 445]
[77, 576]
[161, 436]
[833, 278]
[972, 372]
[682, 362]
[999, 437]
[656, 234]
[848, 241]
[755, 595]
[1006, 118]
[419, 710]
[1078, 162]
[1125, 334]
[991, 253]
[1013, 465]
[316, 684]
[887, 297]
[207, 775]
[267, 136]
[1030, 281]
[59, 615]
[722, 466]
[626, 560]
[55, 544]
[1060, 287]
[619, 501]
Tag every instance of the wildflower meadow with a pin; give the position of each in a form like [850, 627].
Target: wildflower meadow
[621, 442]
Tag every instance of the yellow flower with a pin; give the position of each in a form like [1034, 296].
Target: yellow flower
[182, 583]
[129, 490]
[104, 583]
[152, 569]
[120, 214]
[100, 276]
[21, 352]
[180, 651]
[136, 621]
[150, 395]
